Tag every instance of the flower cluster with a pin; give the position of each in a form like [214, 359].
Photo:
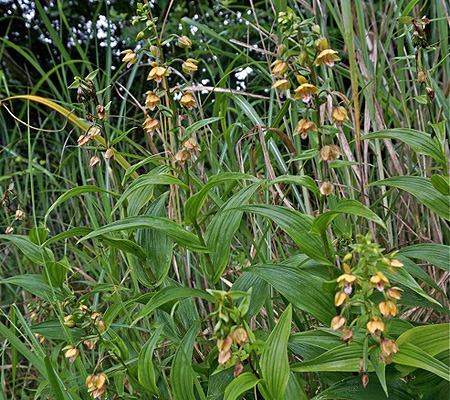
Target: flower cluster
[96, 385]
[360, 286]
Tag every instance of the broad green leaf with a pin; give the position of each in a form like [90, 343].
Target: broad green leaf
[344, 358]
[297, 226]
[344, 206]
[194, 203]
[419, 141]
[422, 189]
[181, 374]
[55, 381]
[294, 389]
[200, 124]
[434, 253]
[240, 385]
[169, 294]
[158, 247]
[305, 181]
[430, 338]
[165, 225]
[302, 288]
[55, 272]
[52, 329]
[149, 179]
[146, 369]
[221, 229]
[260, 291]
[274, 362]
[76, 191]
[441, 183]
[36, 285]
[352, 389]
[31, 250]
[413, 356]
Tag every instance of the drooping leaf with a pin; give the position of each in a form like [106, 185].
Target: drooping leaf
[146, 369]
[297, 226]
[302, 288]
[36, 285]
[420, 142]
[240, 385]
[31, 250]
[422, 189]
[434, 253]
[345, 206]
[165, 225]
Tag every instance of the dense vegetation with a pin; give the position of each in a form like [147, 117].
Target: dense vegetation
[225, 199]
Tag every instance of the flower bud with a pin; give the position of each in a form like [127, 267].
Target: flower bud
[19, 215]
[347, 335]
[9, 230]
[140, 36]
[281, 50]
[302, 57]
[430, 92]
[238, 368]
[102, 325]
[101, 112]
[109, 154]
[316, 29]
[69, 322]
[301, 79]
[184, 42]
[155, 51]
[422, 76]
[94, 162]
[240, 335]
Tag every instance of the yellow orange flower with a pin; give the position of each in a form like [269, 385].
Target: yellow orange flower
[130, 57]
[338, 322]
[327, 57]
[388, 308]
[283, 84]
[93, 131]
[152, 100]
[305, 92]
[69, 322]
[157, 73]
[379, 280]
[388, 347]
[396, 263]
[82, 140]
[393, 294]
[340, 298]
[326, 188]
[330, 152]
[188, 100]
[279, 68]
[346, 281]
[191, 145]
[71, 353]
[94, 162]
[376, 326]
[339, 114]
[303, 127]
[239, 335]
[189, 66]
[347, 335]
[181, 156]
[151, 124]
[96, 385]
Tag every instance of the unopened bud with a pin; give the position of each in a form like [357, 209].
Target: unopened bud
[102, 325]
[421, 76]
[140, 36]
[321, 44]
[9, 230]
[430, 92]
[155, 51]
[301, 79]
[326, 188]
[94, 162]
[184, 42]
[101, 112]
[281, 50]
[69, 322]
[19, 215]
[302, 57]
[109, 153]
[316, 29]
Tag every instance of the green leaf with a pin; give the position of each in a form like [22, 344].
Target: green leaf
[76, 192]
[240, 385]
[419, 141]
[194, 203]
[36, 285]
[146, 369]
[55, 381]
[413, 356]
[274, 363]
[55, 272]
[434, 253]
[302, 288]
[31, 250]
[305, 181]
[220, 231]
[52, 329]
[432, 339]
[344, 358]
[149, 180]
[200, 124]
[297, 226]
[158, 247]
[441, 183]
[422, 189]
[169, 294]
[345, 206]
[181, 374]
[165, 225]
